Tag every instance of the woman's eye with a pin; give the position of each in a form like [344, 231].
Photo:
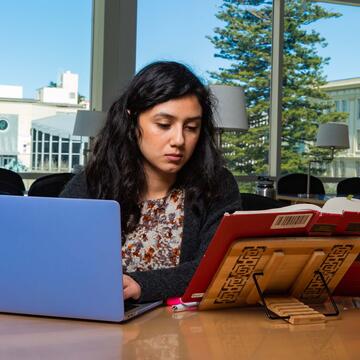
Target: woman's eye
[163, 126]
[192, 128]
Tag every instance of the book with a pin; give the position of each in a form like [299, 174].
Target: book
[340, 216]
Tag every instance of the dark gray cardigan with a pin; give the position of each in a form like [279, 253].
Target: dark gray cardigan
[200, 223]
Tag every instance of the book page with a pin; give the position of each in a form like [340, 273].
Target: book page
[337, 205]
[290, 208]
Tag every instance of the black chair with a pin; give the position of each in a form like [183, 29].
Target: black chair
[8, 189]
[49, 185]
[259, 202]
[350, 186]
[294, 184]
[11, 183]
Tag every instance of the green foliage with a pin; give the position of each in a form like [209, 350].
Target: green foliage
[245, 41]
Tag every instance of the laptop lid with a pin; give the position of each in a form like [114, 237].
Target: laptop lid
[61, 257]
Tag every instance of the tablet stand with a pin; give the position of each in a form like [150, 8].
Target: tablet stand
[282, 273]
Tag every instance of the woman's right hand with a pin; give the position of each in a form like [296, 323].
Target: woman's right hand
[131, 288]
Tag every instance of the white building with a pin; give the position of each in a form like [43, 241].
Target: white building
[36, 135]
[65, 93]
[346, 97]
[11, 91]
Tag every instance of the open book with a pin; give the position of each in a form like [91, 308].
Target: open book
[340, 216]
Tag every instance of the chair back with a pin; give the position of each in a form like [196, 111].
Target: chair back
[259, 202]
[8, 189]
[49, 185]
[349, 186]
[11, 183]
[297, 183]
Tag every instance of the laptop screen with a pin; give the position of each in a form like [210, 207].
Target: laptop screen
[61, 257]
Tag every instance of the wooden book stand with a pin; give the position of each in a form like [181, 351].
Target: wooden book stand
[282, 273]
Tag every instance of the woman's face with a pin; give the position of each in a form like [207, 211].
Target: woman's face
[168, 134]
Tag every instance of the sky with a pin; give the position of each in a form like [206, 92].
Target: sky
[45, 38]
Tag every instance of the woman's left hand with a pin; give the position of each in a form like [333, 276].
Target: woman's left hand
[131, 288]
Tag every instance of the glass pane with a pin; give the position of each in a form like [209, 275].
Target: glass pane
[55, 147]
[54, 161]
[64, 165]
[224, 49]
[46, 147]
[321, 85]
[65, 147]
[44, 82]
[76, 148]
[75, 160]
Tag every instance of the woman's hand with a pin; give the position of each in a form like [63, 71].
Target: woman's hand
[131, 288]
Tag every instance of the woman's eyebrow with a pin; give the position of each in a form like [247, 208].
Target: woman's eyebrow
[194, 118]
[164, 115]
[172, 117]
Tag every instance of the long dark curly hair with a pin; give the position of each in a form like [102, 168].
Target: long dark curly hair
[115, 170]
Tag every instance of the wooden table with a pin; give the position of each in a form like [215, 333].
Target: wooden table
[227, 334]
[313, 199]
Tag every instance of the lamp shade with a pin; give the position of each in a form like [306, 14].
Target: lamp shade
[89, 123]
[230, 111]
[333, 135]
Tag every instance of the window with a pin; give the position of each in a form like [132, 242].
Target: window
[337, 106]
[344, 106]
[339, 83]
[212, 61]
[357, 165]
[59, 77]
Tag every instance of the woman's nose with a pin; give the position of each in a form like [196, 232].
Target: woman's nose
[177, 137]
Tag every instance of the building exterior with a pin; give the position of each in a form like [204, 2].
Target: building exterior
[345, 95]
[65, 93]
[36, 135]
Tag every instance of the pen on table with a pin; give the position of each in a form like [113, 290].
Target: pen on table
[177, 305]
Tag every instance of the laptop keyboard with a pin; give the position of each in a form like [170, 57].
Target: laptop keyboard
[128, 305]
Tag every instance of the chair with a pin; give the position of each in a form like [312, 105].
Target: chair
[11, 183]
[350, 186]
[8, 189]
[296, 184]
[49, 185]
[259, 202]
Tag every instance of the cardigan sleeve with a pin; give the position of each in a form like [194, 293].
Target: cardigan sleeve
[171, 282]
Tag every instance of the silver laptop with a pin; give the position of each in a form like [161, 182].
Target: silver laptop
[62, 258]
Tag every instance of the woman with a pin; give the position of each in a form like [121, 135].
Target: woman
[157, 157]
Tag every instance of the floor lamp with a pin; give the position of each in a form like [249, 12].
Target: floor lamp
[331, 136]
[88, 123]
[230, 109]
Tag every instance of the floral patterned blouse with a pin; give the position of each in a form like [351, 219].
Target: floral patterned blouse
[156, 241]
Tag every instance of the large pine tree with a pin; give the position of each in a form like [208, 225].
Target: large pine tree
[245, 41]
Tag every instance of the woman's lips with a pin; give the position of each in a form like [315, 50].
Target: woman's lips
[173, 157]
